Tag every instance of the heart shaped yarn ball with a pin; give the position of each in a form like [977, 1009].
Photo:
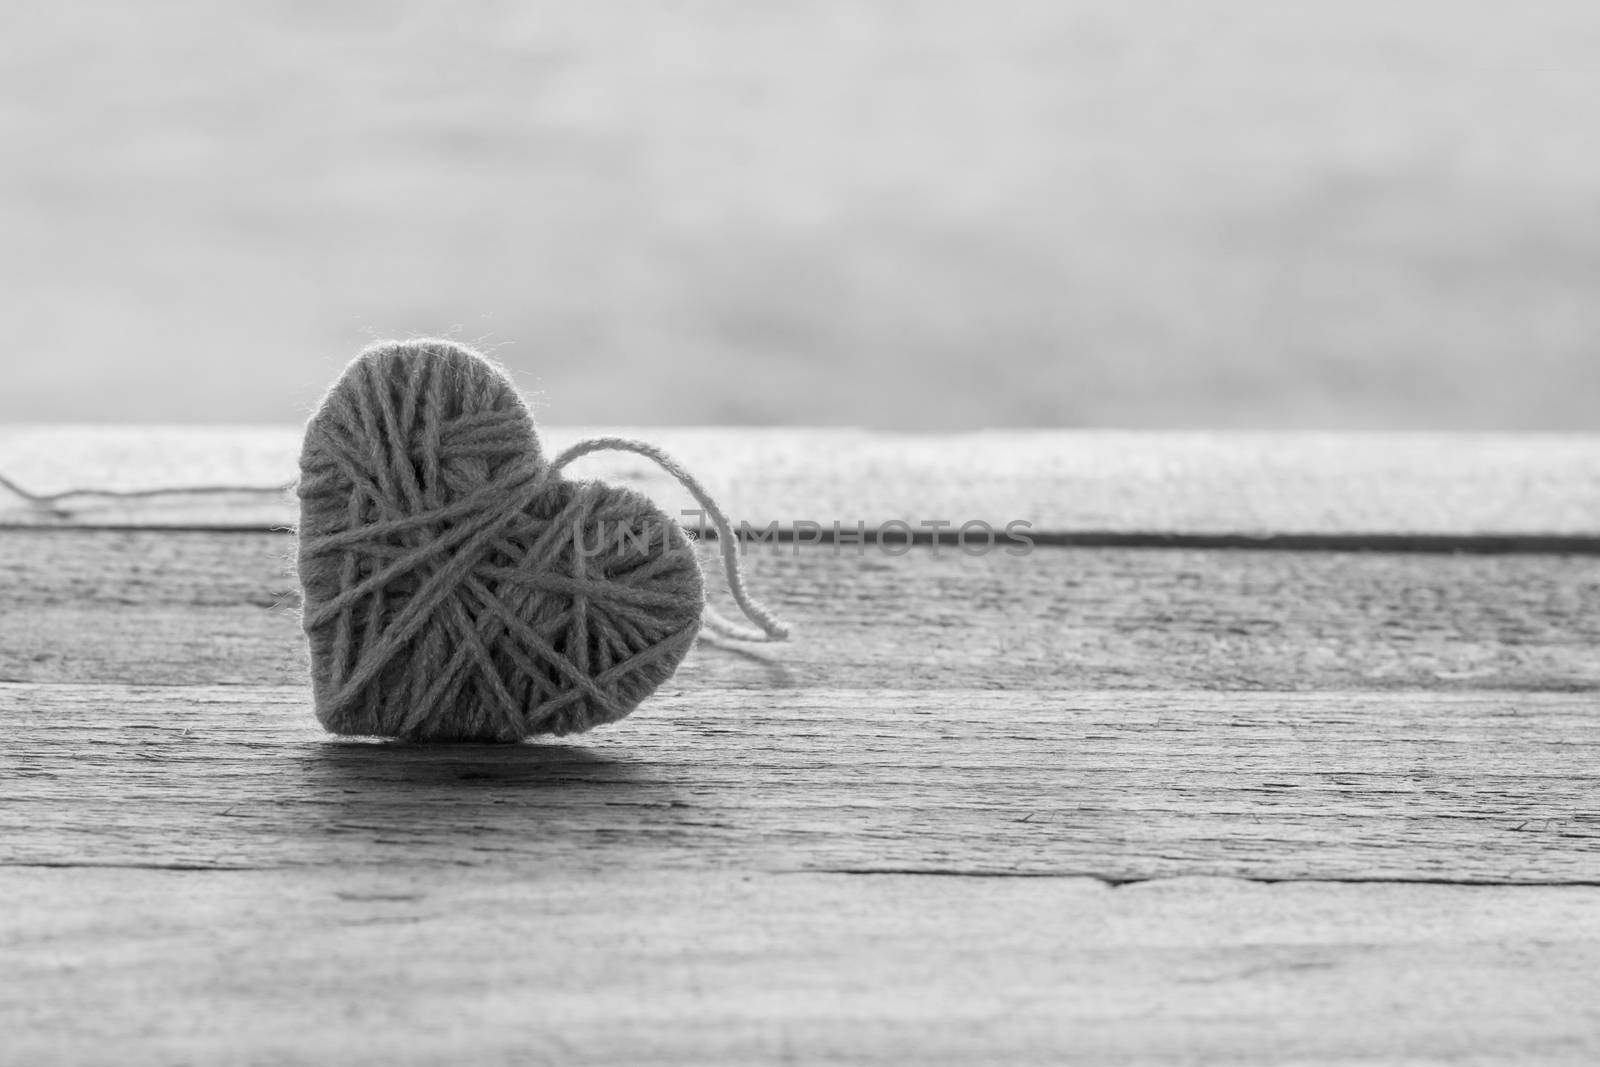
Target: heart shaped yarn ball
[456, 585]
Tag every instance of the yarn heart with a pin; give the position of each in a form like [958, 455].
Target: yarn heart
[456, 585]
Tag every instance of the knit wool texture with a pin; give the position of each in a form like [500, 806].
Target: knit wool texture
[457, 587]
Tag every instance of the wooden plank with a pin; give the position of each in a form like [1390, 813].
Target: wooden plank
[404, 965]
[164, 607]
[1120, 786]
[1523, 488]
[196, 872]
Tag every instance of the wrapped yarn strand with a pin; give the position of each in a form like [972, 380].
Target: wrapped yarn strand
[458, 587]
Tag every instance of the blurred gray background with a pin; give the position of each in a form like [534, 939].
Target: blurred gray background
[914, 215]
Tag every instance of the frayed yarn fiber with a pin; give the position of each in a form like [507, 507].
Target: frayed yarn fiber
[456, 585]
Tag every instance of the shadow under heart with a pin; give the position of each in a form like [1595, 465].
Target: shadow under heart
[470, 804]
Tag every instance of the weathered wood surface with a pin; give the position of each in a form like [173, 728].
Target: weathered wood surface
[161, 607]
[400, 965]
[1528, 488]
[1494, 788]
[1404, 744]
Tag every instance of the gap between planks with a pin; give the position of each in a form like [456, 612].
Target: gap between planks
[895, 539]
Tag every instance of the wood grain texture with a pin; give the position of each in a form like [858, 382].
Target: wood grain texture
[163, 607]
[401, 965]
[1097, 805]
[1493, 788]
[1063, 482]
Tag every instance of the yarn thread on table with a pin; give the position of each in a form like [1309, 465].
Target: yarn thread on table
[55, 503]
[456, 585]
[459, 587]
